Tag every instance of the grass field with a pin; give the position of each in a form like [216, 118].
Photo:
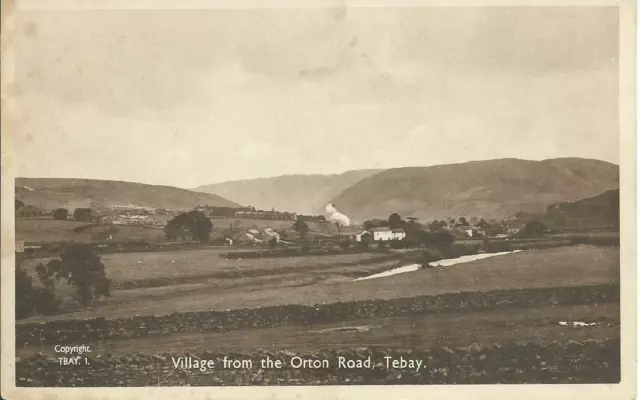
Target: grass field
[328, 279]
[50, 230]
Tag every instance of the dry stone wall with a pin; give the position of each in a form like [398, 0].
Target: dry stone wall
[69, 331]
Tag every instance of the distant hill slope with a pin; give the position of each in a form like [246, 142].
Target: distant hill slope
[305, 194]
[490, 189]
[50, 193]
[599, 212]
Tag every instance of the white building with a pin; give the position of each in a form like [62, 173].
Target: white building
[382, 234]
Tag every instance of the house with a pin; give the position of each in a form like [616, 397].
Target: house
[472, 232]
[382, 234]
[362, 236]
[269, 234]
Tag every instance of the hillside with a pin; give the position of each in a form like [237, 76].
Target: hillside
[50, 193]
[305, 194]
[490, 189]
[599, 212]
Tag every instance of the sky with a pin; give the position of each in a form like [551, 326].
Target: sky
[192, 97]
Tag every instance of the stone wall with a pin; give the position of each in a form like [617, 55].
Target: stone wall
[587, 361]
[70, 331]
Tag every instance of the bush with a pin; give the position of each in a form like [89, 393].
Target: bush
[461, 249]
[84, 214]
[440, 239]
[345, 244]
[430, 255]
[400, 244]
[32, 299]
[535, 228]
[60, 214]
[497, 247]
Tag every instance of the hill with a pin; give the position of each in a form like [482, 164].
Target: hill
[490, 189]
[305, 194]
[50, 193]
[594, 213]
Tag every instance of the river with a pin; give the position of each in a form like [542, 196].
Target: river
[442, 263]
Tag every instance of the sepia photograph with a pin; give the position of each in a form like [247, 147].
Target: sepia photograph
[324, 195]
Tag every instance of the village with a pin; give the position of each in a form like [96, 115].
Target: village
[248, 227]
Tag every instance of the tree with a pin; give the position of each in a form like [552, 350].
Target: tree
[484, 225]
[441, 238]
[82, 268]
[395, 221]
[29, 211]
[345, 244]
[462, 221]
[374, 223]
[31, 299]
[301, 227]
[436, 225]
[535, 228]
[60, 214]
[412, 228]
[192, 225]
[84, 214]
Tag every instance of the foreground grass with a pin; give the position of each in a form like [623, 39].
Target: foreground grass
[537, 325]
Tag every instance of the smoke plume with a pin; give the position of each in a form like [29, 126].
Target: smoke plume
[336, 216]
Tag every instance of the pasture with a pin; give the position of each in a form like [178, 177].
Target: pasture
[51, 230]
[161, 283]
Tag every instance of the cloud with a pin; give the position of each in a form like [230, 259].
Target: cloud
[234, 94]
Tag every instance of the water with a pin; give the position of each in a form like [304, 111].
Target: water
[442, 263]
[464, 259]
[406, 268]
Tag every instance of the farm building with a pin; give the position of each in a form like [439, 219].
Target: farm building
[382, 234]
[475, 232]
[146, 220]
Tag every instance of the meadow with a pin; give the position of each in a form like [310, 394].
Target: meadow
[486, 332]
[201, 280]
[51, 230]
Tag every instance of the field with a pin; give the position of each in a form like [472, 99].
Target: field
[161, 283]
[484, 327]
[198, 303]
[50, 230]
